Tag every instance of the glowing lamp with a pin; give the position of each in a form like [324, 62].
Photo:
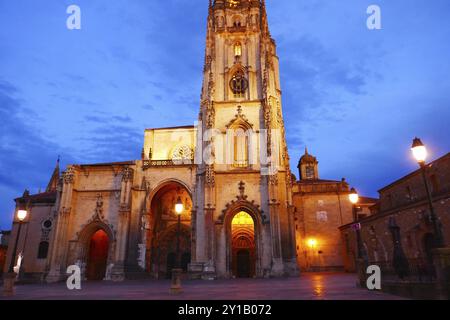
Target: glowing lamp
[312, 243]
[22, 214]
[353, 196]
[419, 150]
[179, 206]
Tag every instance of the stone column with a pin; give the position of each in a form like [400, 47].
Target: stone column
[277, 261]
[209, 269]
[209, 266]
[292, 265]
[198, 224]
[57, 260]
[209, 241]
[275, 231]
[134, 245]
[118, 270]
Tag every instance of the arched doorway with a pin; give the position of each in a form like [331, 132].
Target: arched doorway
[162, 236]
[243, 253]
[97, 256]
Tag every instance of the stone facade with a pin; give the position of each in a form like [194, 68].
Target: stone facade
[321, 207]
[403, 204]
[35, 236]
[4, 239]
[233, 164]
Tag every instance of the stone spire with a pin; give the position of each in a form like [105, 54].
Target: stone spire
[264, 20]
[53, 183]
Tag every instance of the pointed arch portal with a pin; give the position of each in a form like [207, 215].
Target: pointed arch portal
[163, 232]
[97, 255]
[243, 255]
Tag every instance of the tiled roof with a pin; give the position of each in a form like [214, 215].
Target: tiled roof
[169, 128]
[122, 163]
[366, 200]
[408, 176]
[39, 197]
[308, 181]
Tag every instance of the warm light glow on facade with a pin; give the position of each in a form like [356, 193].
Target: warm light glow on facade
[238, 49]
[420, 153]
[353, 196]
[179, 207]
[312, 243]
[419, 150]
[22, 214]
[242, 219]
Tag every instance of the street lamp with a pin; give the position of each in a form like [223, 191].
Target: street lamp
[8, 285]
[179, 206]
[361, 259]
[176, 272]
[420, 153]
[354, 199]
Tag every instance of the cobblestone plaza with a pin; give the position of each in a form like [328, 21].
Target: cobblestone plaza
[310, 286]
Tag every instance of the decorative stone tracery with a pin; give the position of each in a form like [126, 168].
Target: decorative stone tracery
[241, 202]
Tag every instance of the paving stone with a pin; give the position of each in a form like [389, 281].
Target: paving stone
[310, 286]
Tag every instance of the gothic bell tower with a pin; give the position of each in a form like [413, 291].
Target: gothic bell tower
[244, 166]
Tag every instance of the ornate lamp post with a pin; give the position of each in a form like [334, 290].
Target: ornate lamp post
[10, 276]
[354, 199]
[420, 153]
[176, 272]
[361, 259]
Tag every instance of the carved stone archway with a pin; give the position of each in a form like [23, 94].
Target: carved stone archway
[225, 222]
[165, 244]
[160, 234]
[83, 244]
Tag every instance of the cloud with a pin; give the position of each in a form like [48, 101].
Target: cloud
[339, 82]
[111, 143]
[148, 107]
[75, 77]
[318, 88]
[75, 99]
[26, 158]
[106, 119]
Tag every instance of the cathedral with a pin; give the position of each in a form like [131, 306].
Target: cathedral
[217, 199]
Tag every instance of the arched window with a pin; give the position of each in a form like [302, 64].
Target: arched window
[43, 250]
[310, 172]
[237, 49]
[240, 148]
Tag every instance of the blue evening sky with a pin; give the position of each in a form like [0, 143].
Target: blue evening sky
[355, 97]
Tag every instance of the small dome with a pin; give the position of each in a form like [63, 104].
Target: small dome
[307, 158]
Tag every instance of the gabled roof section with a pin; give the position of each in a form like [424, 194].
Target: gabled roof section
[240, 120]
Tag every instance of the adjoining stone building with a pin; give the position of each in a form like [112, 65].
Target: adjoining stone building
[4, 239]
[34, 242]
[117, 220]
[321, 207]
[400, 223]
